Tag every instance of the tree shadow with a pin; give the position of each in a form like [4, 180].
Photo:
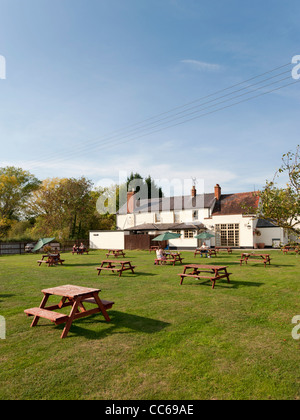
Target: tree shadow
[83, 265]
[119, 322]
[234, 284]
[2, 295]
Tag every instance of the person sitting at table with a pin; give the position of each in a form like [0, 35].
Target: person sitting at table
[160, 256]
[204, 249]
[75, 248]
[81, 248]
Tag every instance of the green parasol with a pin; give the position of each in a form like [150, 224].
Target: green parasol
[41, 243]
[204, 235]
[166, 236]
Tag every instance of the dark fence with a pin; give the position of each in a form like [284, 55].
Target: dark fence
[13, 248]
[10, 248]
[141, 241]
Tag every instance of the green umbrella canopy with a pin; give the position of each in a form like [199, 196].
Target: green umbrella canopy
[166, 236]
[41, 243]
[204, 235]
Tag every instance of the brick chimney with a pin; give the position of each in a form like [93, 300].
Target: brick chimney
[130, 201]
[217, 192]
[194, 192]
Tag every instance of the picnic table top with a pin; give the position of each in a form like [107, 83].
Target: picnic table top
[207, 248]
[69, 290]
[254, 254]
[212, 267]
[116, 250]
[116, 261]
[51, 255]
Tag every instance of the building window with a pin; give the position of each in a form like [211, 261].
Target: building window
[157, 218]
[227, 234]
[195, 215]
[177, 217]
[188, 234]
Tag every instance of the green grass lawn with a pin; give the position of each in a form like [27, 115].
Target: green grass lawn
[164, 341]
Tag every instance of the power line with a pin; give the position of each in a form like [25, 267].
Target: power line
[173, 117]
[102, 146]
[208, 113]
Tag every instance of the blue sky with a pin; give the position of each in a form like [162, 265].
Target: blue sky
[79, 72]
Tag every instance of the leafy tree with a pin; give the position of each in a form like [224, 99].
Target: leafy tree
[282, 204]
[63, 208]
[16, 188]
[153, 191]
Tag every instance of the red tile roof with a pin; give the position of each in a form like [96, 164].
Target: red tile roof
[235, 203]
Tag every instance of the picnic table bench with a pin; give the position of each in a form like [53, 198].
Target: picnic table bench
[206, 252]
[74, 296]
[81, 251]
[209, 272]
[115, 266]
[171, 257]
[262, 258]
[153, 248]
[223, 248]
[115, 253]
[288, 249]
[50, 259]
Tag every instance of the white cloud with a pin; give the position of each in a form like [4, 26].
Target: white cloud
[107, 174]
[202, 65]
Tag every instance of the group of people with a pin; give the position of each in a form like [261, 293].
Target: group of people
[79, 249]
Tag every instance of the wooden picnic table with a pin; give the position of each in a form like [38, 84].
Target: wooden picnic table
[74, 296]
[116, 266]
[223, 248]
[81, 251]
[263, 258]
[51, 259]
[170, 257]
[153, 248]
[206, 252]
[115, 253]
[287, 249]
[209, 272]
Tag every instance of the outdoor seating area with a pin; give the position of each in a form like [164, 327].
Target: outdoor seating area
[50, 260]
[252, 257]
[291, 249]
[115, 266]
[207, 272]
[115, 253]
[205, 252]
[169, 258]
[73, 296]
[223, 248]
[152, 309]
[80, 249]
[153, 248]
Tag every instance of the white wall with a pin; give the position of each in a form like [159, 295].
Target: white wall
[125, 221]
[107, 240]
[246, 233]
[183, 242]
[268, 234]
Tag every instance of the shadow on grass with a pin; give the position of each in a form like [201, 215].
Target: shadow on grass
[121, 323]
[255, 264]
[82, 265]
[5, 296]
[234, 284]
